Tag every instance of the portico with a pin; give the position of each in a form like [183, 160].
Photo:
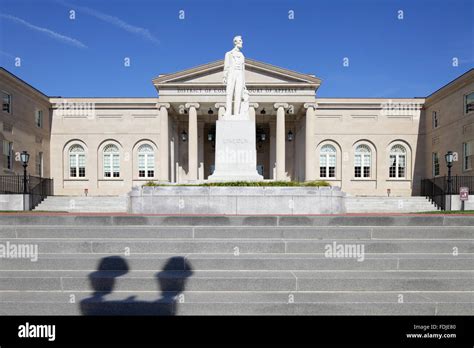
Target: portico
[279, 102]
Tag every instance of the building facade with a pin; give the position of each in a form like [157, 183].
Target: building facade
[25, 125]
[366, 146]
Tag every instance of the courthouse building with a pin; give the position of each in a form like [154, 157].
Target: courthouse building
[363, 145]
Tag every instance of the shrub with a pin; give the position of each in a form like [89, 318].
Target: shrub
[251, 183]
[151, 183]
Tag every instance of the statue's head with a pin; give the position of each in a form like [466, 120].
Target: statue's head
[238, 41]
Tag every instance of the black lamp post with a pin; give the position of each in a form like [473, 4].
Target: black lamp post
[24, 158]
[449, 157]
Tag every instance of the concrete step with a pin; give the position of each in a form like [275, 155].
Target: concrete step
[366, 220]
[281, 297]
[239, 280]
[84, 204]
[244, 303]
[388, 204]
[232, 303]
[91, 232]
[172, 308]
[270, 262]
[232, 247]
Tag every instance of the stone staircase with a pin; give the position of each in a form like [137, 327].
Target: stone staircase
[82, 204]
[373, 204]
[119, 204]
[245, 265]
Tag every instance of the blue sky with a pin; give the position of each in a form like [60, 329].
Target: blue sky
[388, 57]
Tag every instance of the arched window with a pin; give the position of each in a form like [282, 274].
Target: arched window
[146, 161]
[327, 161]
[77, 162]
[362, 161]
[398, 162]
[111, 161]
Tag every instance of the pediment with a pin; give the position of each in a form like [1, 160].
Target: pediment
[256, 74]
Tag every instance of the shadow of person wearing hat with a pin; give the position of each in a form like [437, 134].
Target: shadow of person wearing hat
[171, 281]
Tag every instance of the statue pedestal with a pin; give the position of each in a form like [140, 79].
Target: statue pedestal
[236, 154]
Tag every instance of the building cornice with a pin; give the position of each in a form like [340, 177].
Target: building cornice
[20, 84]
[450, 87]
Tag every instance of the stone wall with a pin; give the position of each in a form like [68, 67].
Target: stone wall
[236, 200]
[14, 202]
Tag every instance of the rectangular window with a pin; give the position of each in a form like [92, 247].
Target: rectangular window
[366, 172]
[111, 165]
[366, 165]
[393, 166]
[362, 165]
[357, 166]
[116, 166]
[6, 102]
[39, 164]
[8, 153]
[435, 119]
[73, 165]
[77, 165]
[327, 166]
[82, 165]
[332, 166]
[435, 164]
[401, 166]
[39, 118]
[469, 103]
[141, 165]
[468, 155]
[322, 166]
[146, 165]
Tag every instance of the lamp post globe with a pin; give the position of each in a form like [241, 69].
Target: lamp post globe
[24, 158]
[449, 157]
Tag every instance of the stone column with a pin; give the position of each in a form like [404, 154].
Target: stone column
[309, 150]
[202, 138]
[192, 141]
[164, 142]
[252, 108]
[221, 108]
[272, 140]
[280, 140]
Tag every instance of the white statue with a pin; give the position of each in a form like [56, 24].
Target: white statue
[244, 107]
[234, 77]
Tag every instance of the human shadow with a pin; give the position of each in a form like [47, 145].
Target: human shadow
[171, 282]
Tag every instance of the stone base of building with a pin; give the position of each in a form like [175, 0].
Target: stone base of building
[236, 155]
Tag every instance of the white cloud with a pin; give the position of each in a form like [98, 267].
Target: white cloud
[50, 33]
[143, 32]
[7, 54]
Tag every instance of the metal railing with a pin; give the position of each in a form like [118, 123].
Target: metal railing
[11, 184]
[436, 189]
[38, 188]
